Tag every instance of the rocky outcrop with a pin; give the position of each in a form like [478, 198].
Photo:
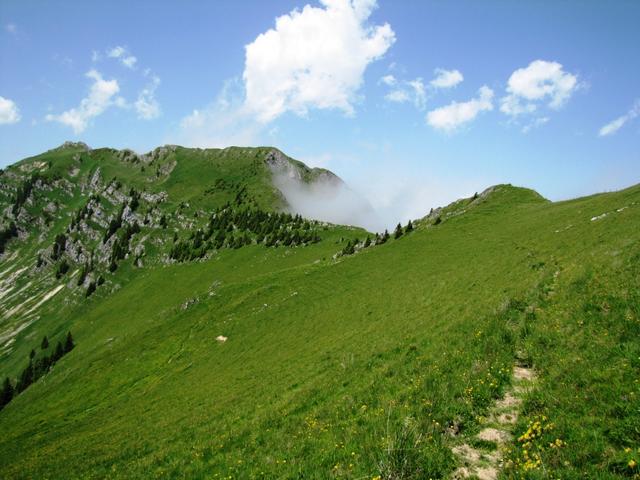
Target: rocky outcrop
[282, 165]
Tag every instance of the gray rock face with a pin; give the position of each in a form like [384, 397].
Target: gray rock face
[279, 163]
[283, 166]
[154, 198]
[75, 251]
[130, 217]
[158, 153]
[96, 180]
[114, 195]
[103, 251]
[69, 144]
[128, 156]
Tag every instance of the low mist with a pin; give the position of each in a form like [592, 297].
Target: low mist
[328, 199]
[378, 200]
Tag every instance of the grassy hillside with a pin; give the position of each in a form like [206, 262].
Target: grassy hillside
[353, 366]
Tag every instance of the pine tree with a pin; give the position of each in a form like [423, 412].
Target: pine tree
[398, 232]
[90, 289]
[83, 274]
[57, 355]
[68, 344]
[26, 377]
[45, 343]
[348, 249]
[409, 227]
[6, 394]
[32, 354]
[367, 242]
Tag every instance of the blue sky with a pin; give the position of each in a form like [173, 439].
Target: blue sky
[413, 103]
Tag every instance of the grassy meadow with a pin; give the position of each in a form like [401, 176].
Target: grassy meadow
[340, 367]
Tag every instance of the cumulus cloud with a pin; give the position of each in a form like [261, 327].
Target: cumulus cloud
[540, 82]
[416, 91]
[123, 55]
[615, 125]
[446, 78]
[419, 92]
[313, 58]
[411, 91]
[398, 96]
[101, 96]
[146, 104]
[389, 80]
[452, 116]
[9, 112]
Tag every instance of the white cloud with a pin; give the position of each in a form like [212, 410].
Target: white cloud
[95, 56]
[411, 91]
[541, 81]
[146, 105]
[419, 92]
[398, 96]
[452, 116]
[116, 52]
[123, 55]
[389, 80]
[11, 28]
[99, 99]
[313, 58]
[9, 112]
[615, 125]
[129, 61]
[537, 122]
[446, 78]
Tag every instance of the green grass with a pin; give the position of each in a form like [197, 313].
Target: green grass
[347, 368]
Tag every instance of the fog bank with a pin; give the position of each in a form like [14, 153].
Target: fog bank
[328, 199]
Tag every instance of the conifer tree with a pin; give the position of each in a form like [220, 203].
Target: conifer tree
[398, 232]
[45, 343]
[6, 394]
[92, 287]
[68, 344]
[367, 242]
[57, 355]
[83, 274]
[348, 249]
[409, 227]
[26, 377]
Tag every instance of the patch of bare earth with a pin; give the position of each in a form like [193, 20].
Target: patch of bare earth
[485, 464]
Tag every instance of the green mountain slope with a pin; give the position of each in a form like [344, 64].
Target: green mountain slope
[334, 366]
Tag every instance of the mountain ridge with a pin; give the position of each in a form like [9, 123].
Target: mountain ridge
[234, 339]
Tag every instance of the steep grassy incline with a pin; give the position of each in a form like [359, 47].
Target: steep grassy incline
[353, 366]
[75, 220]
